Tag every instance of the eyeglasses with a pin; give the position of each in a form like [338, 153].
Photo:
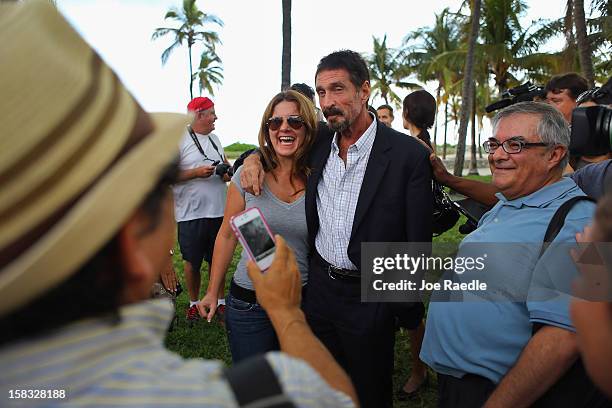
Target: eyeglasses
[510, 146]
[296, 122]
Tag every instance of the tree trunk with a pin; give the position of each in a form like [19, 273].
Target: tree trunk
[568, 61]
[467, 92]
[190, 73]
[435, 137]
[479, 142]
[473, 161]
[584, 48]
[286, 62]
[445, 129]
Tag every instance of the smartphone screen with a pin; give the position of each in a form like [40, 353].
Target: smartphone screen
[257, 238]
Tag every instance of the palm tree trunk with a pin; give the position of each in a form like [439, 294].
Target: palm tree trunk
[479, 142]
[445, 129]
[467, 92]
[473, 161]
[584, 48]
[286, 62]
[568, 54]
[190, 73]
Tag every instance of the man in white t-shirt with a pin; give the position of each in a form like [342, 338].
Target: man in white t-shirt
[199, 198]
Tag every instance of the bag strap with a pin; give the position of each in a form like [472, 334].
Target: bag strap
[575, 387]
[199, 146]
[558, 220]
[255, 385]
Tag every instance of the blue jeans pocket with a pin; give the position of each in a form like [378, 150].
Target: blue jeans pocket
[249, 329]
[239, 305]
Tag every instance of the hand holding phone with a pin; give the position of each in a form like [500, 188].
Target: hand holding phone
[255, 236]
[279, 290]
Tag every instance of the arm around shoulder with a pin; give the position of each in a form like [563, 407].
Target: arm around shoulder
[252, 174]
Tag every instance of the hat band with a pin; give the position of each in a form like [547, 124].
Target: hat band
[70, 120]
[141, 127]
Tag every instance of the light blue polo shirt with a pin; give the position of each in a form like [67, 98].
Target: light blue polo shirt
[487, 337]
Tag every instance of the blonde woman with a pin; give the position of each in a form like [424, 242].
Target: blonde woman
[287, 131]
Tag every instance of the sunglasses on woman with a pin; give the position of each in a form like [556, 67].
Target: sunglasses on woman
[296, 122]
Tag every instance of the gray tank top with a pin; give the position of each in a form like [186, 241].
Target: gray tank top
[285, 219]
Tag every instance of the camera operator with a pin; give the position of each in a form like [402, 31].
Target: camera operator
[593, 178]
[562, 92]
[200, 196]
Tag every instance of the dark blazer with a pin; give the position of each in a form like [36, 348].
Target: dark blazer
[395, 202]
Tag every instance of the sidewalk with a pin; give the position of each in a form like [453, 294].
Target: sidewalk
[482, 164]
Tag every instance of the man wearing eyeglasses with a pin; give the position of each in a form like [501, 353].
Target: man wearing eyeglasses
[199, 199]
[484, 351]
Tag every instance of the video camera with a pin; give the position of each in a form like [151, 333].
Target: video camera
[591, 131]
[522, 93]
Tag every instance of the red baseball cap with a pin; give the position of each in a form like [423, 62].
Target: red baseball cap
[199, 104]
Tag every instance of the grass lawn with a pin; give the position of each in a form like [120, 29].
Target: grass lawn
[486, 179]
[208, 340]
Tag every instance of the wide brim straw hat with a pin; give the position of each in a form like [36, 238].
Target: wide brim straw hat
[77, 153]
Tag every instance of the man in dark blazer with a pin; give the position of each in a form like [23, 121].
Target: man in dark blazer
[368, 183]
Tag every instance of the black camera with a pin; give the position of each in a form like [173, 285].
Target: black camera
[222, 169]
[522, 93]
[591, 131]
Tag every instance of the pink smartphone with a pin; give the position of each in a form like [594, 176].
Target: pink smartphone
[255, 236]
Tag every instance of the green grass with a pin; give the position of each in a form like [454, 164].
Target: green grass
[209, 340]
[486, 179]
[234, 150]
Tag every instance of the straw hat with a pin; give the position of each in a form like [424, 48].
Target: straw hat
[77, 152]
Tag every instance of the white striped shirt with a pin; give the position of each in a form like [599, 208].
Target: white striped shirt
[337, 195]
[102, 364]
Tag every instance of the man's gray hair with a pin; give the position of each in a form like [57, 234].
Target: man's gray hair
[552, 128]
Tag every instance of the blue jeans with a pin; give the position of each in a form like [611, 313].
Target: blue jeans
[249, 329]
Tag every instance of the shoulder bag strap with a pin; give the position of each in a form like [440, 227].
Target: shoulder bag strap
[254, 384]
[558, 219]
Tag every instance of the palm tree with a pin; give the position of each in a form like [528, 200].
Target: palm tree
[600, 37]
[386, 71]
[286, 60]
[570, 38]
[429, 52]
[483, 99]
[584, 48]
[541, 66]
[506, 44]
[209, 72]
[191, 30]
[468, 93]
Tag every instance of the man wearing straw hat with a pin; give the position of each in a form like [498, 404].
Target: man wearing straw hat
[86, 222]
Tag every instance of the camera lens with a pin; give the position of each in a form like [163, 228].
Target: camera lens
[603, 126]
[224, 168]
[591, 131]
